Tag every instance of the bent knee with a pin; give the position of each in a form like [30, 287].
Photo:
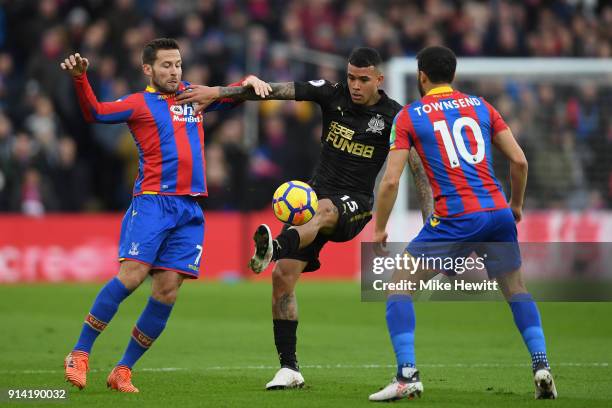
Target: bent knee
[511, 284]
[327, 214]
[282, 274]
[167, 294]
[165, 286]
[132, 274]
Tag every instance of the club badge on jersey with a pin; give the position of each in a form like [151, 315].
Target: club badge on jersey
[376, 124]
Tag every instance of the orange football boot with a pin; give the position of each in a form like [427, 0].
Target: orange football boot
[76, 366]
[120, 379]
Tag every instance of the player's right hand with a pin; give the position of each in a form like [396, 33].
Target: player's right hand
[518, 213]
[380, 243]
[75, 64]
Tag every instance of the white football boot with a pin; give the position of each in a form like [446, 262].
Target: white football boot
[544, 383]
[400, 389]
[263, 249]
[286, 378]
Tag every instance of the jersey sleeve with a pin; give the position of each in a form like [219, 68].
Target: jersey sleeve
[401, 137]
[118, 111]
[497, 122]
[319, 91]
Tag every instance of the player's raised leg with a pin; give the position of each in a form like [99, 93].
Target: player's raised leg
[131, 275]
[528, 322]
[293, 238]
[401, 323]
[148, 328]
[285, 321]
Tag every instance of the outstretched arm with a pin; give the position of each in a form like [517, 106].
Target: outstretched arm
[252, 89]
[278, 90]
[94, 111]
[223, 102]
[425, 195]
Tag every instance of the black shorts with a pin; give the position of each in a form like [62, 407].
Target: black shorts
[355, 211]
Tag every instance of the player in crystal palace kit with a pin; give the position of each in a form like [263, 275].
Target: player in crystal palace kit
[162, 233]
[453, 134]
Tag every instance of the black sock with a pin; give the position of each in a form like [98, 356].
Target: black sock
[285, 339]
[287, 243]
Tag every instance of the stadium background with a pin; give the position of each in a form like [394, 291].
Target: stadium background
[61, 178]
[64, 186]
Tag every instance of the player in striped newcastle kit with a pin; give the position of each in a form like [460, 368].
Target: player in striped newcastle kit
[162, 233]
[454, 133]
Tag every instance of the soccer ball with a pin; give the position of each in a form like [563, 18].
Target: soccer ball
[295, 202]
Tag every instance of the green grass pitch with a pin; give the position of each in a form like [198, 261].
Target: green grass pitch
[218, 350]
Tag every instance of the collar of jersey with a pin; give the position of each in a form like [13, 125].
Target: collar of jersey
[440, 90]
[150, 89]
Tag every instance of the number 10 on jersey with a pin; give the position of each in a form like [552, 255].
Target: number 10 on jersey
[442, 127]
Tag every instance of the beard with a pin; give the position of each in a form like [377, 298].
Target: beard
[164, 88]
[420, 86]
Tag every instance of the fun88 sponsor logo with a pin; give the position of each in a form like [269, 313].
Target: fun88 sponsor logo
[184, 113]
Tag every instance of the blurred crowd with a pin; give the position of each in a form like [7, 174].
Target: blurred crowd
[51, 160]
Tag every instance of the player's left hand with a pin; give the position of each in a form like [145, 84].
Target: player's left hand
[75, 64]
[261, 88]
[518, 213]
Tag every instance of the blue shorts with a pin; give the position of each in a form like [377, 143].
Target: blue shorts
[490, 234]
[165, 232]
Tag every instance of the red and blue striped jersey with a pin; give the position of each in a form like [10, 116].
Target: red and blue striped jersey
[452, 133]
[169, 136]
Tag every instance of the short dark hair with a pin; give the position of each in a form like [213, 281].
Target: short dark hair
[363, 57]
[149, 52]
[439, 63]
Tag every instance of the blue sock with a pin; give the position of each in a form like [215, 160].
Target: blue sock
[401, 322]
[528, 322]
[148, 327]
[104, 308]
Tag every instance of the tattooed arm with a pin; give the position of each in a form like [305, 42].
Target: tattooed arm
[280, 90]
[425, 195]
[205, 95]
